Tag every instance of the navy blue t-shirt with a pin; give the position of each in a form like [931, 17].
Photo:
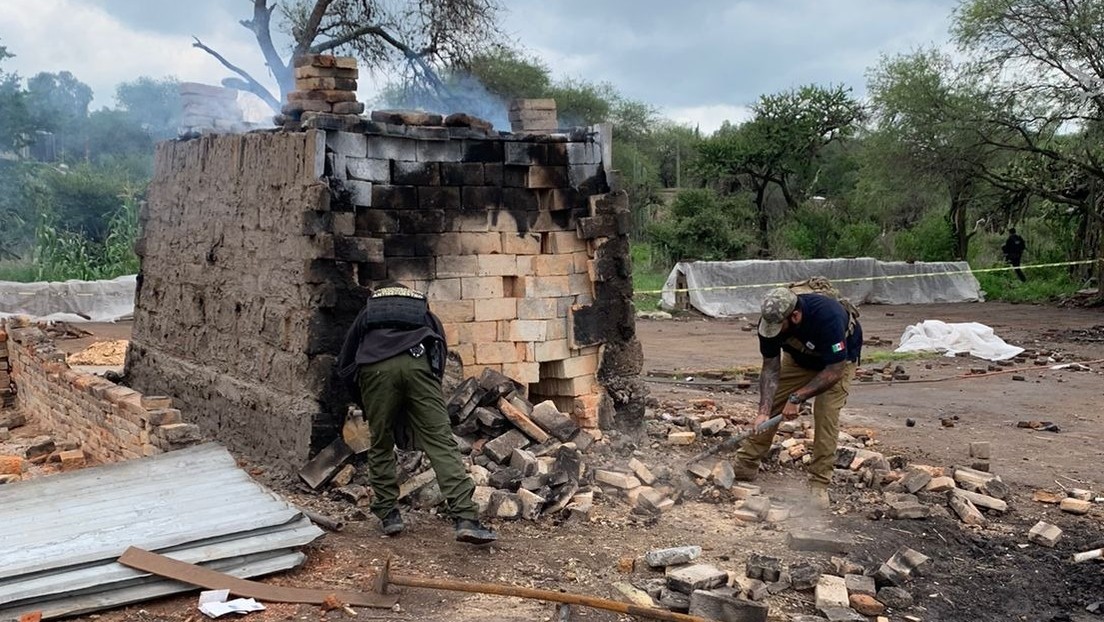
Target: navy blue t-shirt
[821, 339]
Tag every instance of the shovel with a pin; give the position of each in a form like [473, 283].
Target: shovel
[733, 441]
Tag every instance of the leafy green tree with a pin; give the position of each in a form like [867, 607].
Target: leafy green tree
[705, 226]
[780, 144]
[17, 122]
[59, 97]
[152, 104]
[925, 127]
[1042, 60]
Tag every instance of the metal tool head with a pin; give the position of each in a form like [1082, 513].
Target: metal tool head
[384, 577]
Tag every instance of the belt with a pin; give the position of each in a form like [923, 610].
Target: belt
[417, 351]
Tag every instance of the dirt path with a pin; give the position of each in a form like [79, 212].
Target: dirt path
[975, 574]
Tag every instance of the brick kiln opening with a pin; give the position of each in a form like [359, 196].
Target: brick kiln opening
[258, 247]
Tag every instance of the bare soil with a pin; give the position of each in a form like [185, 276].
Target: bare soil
[988, 573]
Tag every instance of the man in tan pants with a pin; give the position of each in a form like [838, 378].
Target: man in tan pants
[810, 345]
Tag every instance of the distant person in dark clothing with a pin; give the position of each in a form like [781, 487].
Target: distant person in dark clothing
[1013, 250]
[395, 354]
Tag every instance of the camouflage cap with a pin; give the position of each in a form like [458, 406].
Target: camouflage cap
[778, 304]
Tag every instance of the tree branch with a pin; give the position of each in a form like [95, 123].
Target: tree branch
[414, 57]
[255, 87]
[261, 27]
[310, 30]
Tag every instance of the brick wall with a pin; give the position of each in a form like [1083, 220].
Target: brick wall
[110, 422]
[258, 250]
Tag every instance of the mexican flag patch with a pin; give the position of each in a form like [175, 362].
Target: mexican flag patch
[837, 347]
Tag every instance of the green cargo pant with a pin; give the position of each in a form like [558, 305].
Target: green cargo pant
[404, 386]
[826, 409]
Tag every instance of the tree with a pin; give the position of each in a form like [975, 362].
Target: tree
[17, 124]
[1044, 60]
[154, 105]
[60, 97]
[413, 35]
[780, 143]
[925, 127]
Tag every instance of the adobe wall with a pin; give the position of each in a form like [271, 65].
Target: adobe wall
[258, 248]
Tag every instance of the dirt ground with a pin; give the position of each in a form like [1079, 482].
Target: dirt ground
[975, 573]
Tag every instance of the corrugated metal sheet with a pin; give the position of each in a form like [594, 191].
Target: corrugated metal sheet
[62, 534]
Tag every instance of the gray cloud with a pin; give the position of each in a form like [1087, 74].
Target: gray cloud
[700, 52]
[693, 58]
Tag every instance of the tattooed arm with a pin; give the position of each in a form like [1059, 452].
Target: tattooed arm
[826, 379]
[768, 385]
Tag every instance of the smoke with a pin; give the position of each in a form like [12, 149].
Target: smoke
[462, 92]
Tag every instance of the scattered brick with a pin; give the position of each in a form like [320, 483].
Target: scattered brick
[686, 579]
[830, 591]
[717, 605]
[661, 558]
[763, 568]
[1075, 506]
[1045, 534]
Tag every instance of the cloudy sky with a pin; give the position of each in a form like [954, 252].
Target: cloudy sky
[699, 61]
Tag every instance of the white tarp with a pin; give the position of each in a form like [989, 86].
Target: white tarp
[70, 301]
[712, 290]
[936, 336]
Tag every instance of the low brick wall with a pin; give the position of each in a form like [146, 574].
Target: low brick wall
[109, 421]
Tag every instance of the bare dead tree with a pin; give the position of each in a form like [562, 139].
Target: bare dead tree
[411, 36]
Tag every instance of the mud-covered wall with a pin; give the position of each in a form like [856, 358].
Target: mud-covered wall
[225, 293]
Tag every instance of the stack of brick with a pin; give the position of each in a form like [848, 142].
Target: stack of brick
[109, 422]
[207, 108]
[533, 116]
[7, 391]
[324, 95]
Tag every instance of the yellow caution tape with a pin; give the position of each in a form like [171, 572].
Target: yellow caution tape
[876, 278]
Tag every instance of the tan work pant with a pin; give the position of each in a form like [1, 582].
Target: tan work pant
[826, 409]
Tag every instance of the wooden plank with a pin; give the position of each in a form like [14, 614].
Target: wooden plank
[212, 580]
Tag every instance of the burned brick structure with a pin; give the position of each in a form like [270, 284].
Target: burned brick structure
[257, 250]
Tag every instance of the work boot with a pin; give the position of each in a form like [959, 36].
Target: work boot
[473, 532]
[744, 472]
[392, 524]
[818, 496]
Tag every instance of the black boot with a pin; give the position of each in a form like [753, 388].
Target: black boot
[473, 532]
[392, 524]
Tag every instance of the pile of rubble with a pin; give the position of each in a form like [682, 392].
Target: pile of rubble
[17, 456]
[846, 591]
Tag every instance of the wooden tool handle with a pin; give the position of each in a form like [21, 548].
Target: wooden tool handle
[548, 595]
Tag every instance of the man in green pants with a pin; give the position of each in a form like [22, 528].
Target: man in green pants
[810, 345]
[395, 352]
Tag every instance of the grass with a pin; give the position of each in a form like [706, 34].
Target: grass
[649, 274]
[1043, 285]
[20, 272]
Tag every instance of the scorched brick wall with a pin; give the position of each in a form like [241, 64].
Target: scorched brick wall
[258, 249]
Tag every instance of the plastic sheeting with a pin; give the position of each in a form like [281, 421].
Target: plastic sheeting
[70, 301]
[883, 282]
[977, 339]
